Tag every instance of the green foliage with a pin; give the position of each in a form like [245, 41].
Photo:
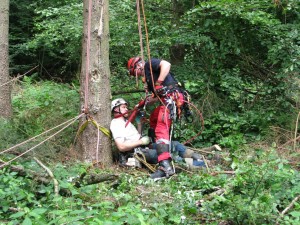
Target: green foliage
[259, 191]
[263, 186]
[20, 31]
[241, 67]
[40, 106]
[240, 57]
[53, 32]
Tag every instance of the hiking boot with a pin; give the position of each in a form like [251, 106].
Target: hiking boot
[122, 159]
[164, 170]
[158, 174]
[167, 168]
[194, 165]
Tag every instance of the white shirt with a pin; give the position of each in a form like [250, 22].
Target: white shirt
[119, 131]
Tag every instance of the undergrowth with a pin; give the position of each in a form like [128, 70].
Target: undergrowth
[262, 186]
[38, 107]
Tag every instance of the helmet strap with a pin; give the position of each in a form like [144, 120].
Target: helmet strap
[119, 113]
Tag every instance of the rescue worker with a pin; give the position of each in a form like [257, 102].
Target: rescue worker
[164, 86]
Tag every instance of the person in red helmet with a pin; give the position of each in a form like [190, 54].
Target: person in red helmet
[162, 83]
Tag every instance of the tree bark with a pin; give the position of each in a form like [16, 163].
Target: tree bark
[5, 88]
[95, 86]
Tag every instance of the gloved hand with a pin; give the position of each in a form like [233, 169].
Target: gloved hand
[145, 140]
[159, 88]
[158, 85]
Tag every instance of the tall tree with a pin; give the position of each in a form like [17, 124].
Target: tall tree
[5, 98]
[95, 86]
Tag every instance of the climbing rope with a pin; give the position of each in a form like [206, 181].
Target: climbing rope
[70, 123]
[141, 37]
[24, 142]
[148, 47]
[139, 155]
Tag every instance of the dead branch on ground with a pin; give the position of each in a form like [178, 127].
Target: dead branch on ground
[291, 205]
[55, 182]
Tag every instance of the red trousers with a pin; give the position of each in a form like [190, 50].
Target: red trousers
[161, 122]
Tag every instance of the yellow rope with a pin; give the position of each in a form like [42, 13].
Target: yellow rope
[143, 160]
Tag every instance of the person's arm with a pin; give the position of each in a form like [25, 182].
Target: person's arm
[165, 67]
[129, 145]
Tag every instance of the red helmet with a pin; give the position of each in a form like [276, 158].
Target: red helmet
[131, 65]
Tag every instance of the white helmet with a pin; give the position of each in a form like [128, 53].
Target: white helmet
[117, 102]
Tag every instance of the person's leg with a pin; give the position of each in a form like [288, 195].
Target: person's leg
[162, 129]
[153, 122]
[179, 148]
[150, 155]
[184, 152]
[165, 168]
[163, 124]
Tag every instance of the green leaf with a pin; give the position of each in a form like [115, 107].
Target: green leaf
[295, 213]
[37, 212]
[17, 215]
[27, 221]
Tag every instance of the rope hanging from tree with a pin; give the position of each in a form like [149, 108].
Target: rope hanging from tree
[147, 44]
[138, 2]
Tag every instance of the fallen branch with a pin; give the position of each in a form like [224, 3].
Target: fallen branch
[55, 182]
[95, 179]
[291, 140]
[222, 172]
[208, 150]
[183, 169]
[211, 196]
[287, 208]
[27, 173]
[84, 180]
[13, 209]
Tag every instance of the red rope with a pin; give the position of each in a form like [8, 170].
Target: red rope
[202, 123]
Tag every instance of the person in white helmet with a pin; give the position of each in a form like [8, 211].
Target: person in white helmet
[127, 137]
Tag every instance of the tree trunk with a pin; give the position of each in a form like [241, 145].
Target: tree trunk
[5, 95]
[177, 51]
[95, 86]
